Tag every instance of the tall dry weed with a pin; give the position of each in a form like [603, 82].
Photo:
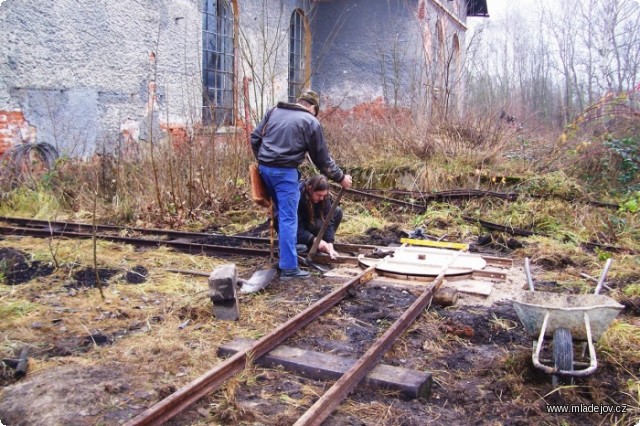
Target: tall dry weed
[601, 147]
[199, 177]
[381, 140]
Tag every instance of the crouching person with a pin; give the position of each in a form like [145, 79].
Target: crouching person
[313, 208]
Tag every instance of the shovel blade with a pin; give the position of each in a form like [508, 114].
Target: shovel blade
[259, 280]
[306, 261]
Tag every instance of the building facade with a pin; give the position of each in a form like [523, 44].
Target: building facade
[84, 75]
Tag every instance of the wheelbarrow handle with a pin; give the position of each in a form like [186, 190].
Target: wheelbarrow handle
[528, 273]
[603, 276]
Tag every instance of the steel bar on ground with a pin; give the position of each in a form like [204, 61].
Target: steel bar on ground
[190, 393]
[183, 245]
[603, 276]
[390, 200]
[87, 227]
[527, 272]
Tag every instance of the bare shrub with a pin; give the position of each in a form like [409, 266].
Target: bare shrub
[200, 176]
[376, 141]
[373, 130]
[601, 146]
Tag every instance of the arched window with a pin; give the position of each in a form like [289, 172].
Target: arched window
[298, 51]
[455, 52]
[440, 48]
[453, 82]
[217, 62]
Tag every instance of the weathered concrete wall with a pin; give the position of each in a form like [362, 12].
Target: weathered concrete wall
[264, 40]
[380, 49]
[82, 74]
[78, 70]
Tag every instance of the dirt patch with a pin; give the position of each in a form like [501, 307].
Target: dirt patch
[86, 278]
[74, 395]
[631, 305]
[387, 236]
[137, 275]
[15, 268]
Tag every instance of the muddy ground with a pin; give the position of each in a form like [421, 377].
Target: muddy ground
[97, 362]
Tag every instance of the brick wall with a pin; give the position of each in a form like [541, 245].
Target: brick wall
[178, 134]
[13, 129]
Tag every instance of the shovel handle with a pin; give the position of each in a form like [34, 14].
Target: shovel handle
[325, 225]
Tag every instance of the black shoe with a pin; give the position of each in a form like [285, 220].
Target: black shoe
[289, 274]
[301, 248]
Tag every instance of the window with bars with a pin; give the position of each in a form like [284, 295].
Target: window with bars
[217, 62]
[297, 59]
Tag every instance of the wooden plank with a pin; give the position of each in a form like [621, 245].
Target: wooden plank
[494, 275]
[463, 285]
[482, 288]
[504, 262]
[323, 259]
[437, 244]
[322, 366]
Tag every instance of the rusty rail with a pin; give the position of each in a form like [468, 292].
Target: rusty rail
[341, 388]
[187, 246]
[417, 207]
[44, 228]
[187, 395]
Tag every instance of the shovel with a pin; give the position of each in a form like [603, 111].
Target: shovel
[323, 229]
[257, 281]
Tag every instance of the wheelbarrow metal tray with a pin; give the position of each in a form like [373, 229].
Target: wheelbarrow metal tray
[566, 311]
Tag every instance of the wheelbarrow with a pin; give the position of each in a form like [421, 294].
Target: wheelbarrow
[565, 318]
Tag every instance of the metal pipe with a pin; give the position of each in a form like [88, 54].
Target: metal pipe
[528, 273]
[603, 276]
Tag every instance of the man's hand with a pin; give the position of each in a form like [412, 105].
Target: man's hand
[346, 182]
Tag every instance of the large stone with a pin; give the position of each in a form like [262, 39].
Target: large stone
[222, 283]
[222, 290]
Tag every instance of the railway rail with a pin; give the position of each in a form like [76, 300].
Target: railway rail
[195, 242]
[180, 400]
[192, 242]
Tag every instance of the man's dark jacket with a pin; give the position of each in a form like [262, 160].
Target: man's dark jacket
[286, 133]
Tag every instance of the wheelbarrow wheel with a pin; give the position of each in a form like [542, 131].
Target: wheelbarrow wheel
[562, 355]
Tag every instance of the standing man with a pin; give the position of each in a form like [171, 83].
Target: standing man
[279, 143]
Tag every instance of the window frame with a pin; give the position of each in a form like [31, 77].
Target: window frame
[218, 62]
[299, 47]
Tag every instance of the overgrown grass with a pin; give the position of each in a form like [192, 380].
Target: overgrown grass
[359, 220]
[199, 179]
[11, 309]
[39, 202]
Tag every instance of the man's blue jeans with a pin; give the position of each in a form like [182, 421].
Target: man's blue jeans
[282, 185]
